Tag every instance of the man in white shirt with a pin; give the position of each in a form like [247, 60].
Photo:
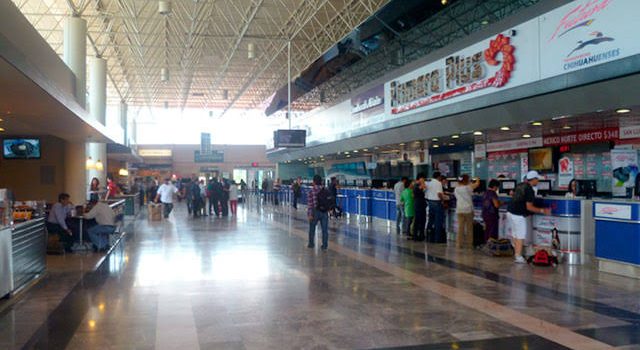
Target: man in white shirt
[397, 191]
[165, 195]
[435, 197]
[464, 211]
[106, 218]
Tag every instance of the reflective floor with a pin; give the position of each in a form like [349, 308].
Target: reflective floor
[251, 283]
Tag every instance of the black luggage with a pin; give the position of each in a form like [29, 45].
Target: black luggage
[478, 234]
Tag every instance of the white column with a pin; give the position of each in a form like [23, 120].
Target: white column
[75, 53]
[98, 89]
[124, 122]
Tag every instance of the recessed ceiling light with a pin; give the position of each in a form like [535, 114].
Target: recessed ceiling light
[348, 156]
[536, 123]
[1, 129]
[623, 110]
[401, 144]
[376, 147]
[566, 127]
[436, 146]
[355, 151]
[347, 152]
[365, 150]
[299, 160]
[1, 120]
[451, 144]
[477, 133]
[455, 136]
[526, 136]
[505, 128]
[484, 22]
[435, 139]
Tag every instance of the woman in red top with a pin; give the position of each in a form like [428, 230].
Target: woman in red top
[112, 188]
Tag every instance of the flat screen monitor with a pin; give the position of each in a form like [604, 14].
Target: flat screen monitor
[507, 186]
[21, 148]
[290, 138]
[544, 186]
[542, 159]
[587, 188]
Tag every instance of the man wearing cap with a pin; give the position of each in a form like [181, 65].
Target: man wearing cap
[518, 211]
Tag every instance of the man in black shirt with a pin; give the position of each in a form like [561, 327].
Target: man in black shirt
[420, 205]
[518, 211]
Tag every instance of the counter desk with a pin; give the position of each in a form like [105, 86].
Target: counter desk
[22, 254]
[617, 236]
[572, 219]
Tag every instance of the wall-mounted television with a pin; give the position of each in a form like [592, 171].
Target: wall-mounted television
[21, 148]
[543, 159]
[289, 138]
[506, 186]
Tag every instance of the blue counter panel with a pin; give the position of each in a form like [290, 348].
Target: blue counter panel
[563, 207]
[391, 206]
[619, 241]
[379, 204]
[352, 201]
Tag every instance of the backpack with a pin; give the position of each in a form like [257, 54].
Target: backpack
[498, 247]
[325, 200]
[543, 258]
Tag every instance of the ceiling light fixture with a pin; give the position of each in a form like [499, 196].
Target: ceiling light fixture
[505, 128]
[455, 136]
[401, 144]
[365, 150]
[347, 152]
[623, 110]
[526, 136]
[536, 123]
[484, 22]
[435, 139]
[451, 144]
[477, 133]
[436, 146]
[251, 51]
[566, 127]
[1, 129]
[355, 151]
[444, 2]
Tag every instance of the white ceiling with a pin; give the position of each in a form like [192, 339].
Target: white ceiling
[203, 43]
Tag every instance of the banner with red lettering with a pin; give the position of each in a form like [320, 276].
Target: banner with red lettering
[591, 136]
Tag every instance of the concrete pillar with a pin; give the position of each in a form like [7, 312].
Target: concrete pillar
[98, 89]
[75, 181]
[75, 53]
[124, 121]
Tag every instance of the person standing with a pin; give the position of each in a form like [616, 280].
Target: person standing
[420, 206]
[407, 201]
[297, 190]
[333, 188]
[276, 192]
[464, 211]
[94, 189]
[112, 188]
[520, 209]
[203, 198]
[318, 212]
[224, 197]
[398, 188]
[491, 210]
[233, 198]
[265, 188]
[435, 197]
[165, 195]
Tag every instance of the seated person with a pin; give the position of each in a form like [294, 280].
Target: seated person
[105, 217]
[56, 222]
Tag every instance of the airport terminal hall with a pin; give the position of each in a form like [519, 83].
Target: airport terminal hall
[319, 174]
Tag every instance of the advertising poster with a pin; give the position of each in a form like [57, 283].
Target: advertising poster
[565, 172]
[524, 165]
[624, 165]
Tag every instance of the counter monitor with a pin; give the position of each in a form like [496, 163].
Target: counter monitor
[544, 186]
[507, 186]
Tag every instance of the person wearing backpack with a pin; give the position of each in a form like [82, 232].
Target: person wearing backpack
[319, 203]
[519, 210]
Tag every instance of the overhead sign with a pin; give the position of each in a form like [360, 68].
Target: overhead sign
[480, 150]
[208, 169]
[368, 103]
[513, 145]
[586, 33]
[212, 157]
[148, 152]
[205, 143]
[591, 136]
[630, 132]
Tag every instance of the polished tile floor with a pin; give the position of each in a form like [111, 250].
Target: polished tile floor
[250, 283]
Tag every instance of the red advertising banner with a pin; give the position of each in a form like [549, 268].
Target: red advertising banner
[591, 136]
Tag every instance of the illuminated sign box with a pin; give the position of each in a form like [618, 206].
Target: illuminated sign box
[155, 153]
